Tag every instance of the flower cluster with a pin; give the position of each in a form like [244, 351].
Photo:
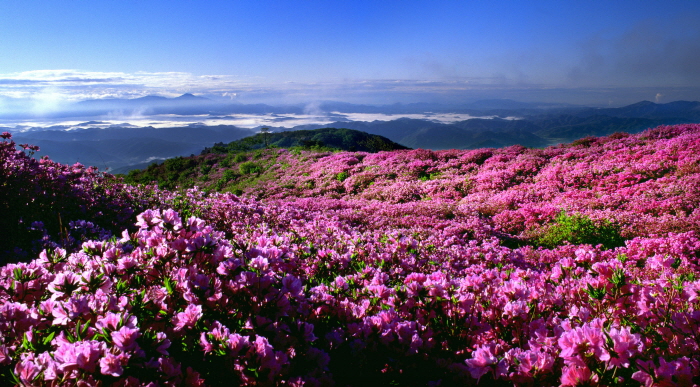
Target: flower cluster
[648, 183]
[48, 204]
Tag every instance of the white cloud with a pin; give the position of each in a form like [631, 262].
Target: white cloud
[42, 90]
[74, 85]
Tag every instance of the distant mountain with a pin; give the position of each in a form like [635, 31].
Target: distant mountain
[509, 104]
[681, 110]
[566, 128]
[469, 134]
[119, 147]
[189, 104]
[537, 125]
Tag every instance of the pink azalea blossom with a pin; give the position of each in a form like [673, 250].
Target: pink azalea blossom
[188, 318]
[482, 361]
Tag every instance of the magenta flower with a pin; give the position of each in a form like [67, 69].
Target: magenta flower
[574, 375]
[188, 318]
[170, 367]
[259, 264]
[171, 220]
[482, 360]
[125, 338]
[581, 343]
[66, 312]
[112, 364]
[625, 346]
[163, 343]
[64, 284]
[49, 365]
[113, 321]
[79, 355]
[398, 257]
[27, 370]
[148, 218]
[673, 373]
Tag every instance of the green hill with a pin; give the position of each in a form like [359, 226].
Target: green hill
[326, 138]
[245, 163]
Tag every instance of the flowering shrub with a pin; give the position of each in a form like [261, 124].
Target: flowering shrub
[645, 184]
[47, 204]
[578, 229]
[215, 289]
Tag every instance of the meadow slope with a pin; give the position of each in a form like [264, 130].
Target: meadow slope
[569, 265]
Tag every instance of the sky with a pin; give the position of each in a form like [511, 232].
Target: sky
[604, 53]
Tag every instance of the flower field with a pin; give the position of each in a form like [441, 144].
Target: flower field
[570, 265]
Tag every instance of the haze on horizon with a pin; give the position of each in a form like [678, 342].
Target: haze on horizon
[598, 53]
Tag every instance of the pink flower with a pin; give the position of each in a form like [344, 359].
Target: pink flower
[515, 309]
[237, 343]
[113, 321]
[674, 373]
[259, 264]
[49, 365]
[482, 360]
[207, 346]
[112, 365]
[125, 338]
[583, 342]
[4, 355]
[82, 354]
[188, 318]
[64, 284]
[163, 343]
[267, 356]
[148, 219]
[625, 345]
[65, 312]
[292, 284]
[577, 376]
[27, 370]
[170, 367]
[171, 220]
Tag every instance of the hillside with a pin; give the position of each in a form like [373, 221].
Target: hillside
[329, 138]
[235, 165]
[577, 263]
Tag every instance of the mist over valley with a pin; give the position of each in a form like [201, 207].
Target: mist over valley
[122, 134]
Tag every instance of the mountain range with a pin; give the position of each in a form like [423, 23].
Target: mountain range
[499, 123]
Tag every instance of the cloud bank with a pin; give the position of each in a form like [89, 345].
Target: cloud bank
[51, 90]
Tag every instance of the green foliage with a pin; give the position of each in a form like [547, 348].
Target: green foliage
[228, 175]
[342, 176]
[220, 184]
[227, 161]
[326, 139]
[179, 164]
[249, 168]
[425, 176]
[579, 229]
[240, 157]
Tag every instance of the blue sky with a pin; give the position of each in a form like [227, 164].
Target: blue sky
[595, 52]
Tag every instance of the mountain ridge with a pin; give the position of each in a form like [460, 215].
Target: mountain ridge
[532, 128]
